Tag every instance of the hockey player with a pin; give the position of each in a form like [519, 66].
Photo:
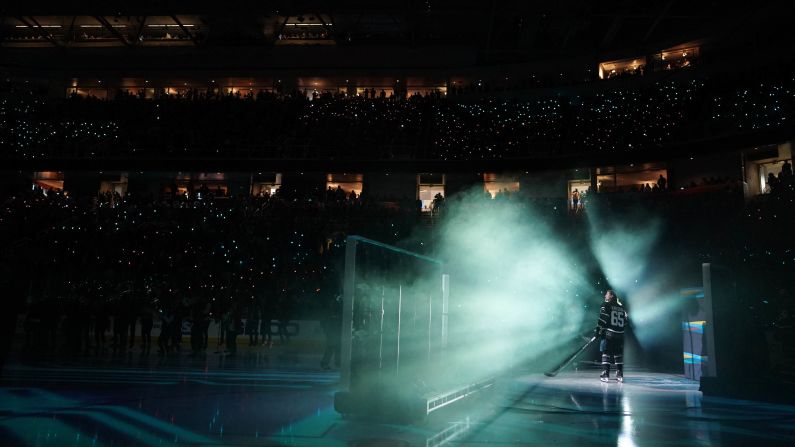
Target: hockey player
[610, 329]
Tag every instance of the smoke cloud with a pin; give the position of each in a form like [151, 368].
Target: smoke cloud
[520, 289]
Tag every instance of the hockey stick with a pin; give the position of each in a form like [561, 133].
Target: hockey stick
[570, 359]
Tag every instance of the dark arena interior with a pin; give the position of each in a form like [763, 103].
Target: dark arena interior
[415, 223]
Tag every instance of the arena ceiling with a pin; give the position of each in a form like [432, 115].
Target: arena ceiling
[196, 35]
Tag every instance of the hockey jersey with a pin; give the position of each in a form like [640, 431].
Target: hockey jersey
[612, 318]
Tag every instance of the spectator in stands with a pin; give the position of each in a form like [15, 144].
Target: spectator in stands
[252, 325]
[331, 323]
[176, 331]
[167, 324]
[785, 178]
[438, 203]
[147, 322]
[772, 183]
[121, 326]
[265, 326]
[786, 169]
[101, 324]
[284, 315]
[233, 329]
[195, 317]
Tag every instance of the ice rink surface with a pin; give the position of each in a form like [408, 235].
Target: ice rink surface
[255, 400]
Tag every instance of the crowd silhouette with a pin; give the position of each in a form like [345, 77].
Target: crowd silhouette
[203, 122]
[95, 274]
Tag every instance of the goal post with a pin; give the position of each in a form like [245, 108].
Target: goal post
[394, 314]
[394, 354]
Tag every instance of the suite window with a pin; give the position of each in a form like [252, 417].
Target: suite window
[622, 68]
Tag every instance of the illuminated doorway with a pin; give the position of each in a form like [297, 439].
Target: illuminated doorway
[428, 187]
[577, 194]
